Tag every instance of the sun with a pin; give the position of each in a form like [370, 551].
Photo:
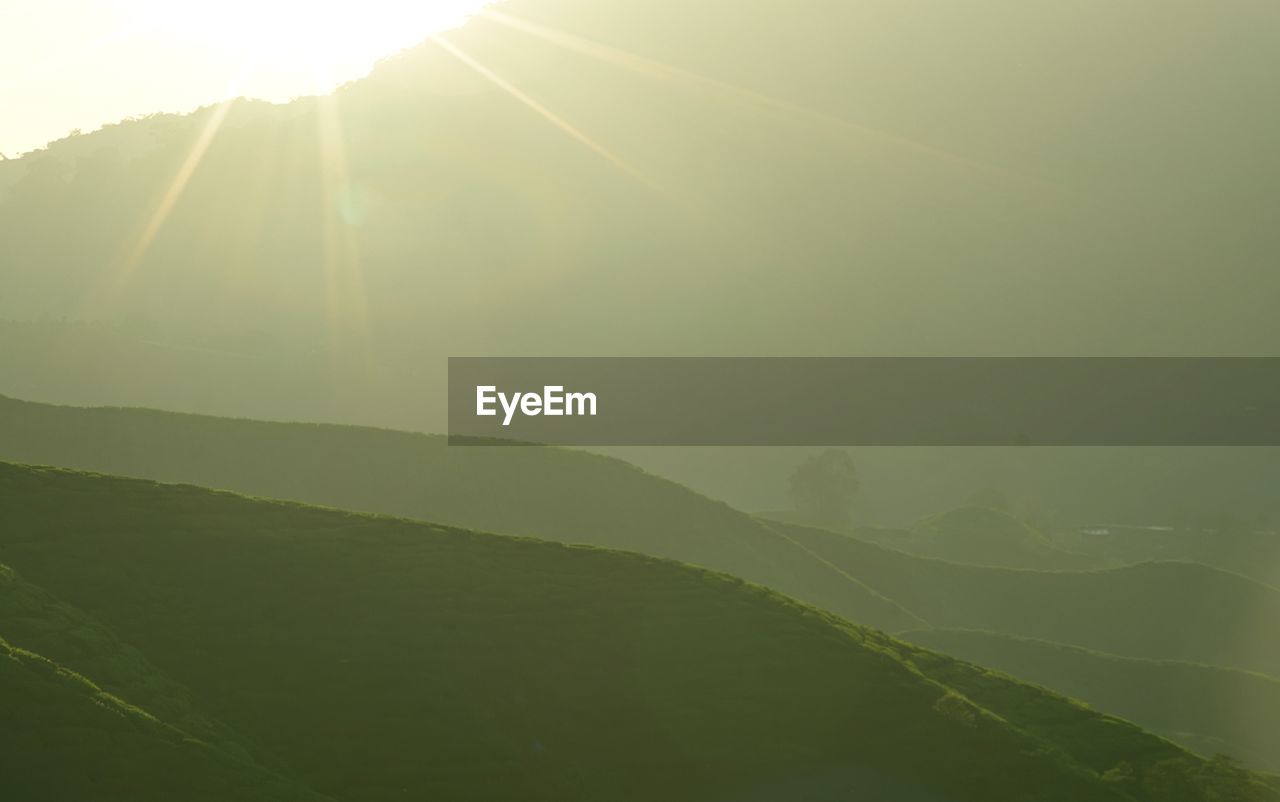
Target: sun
[323, 43]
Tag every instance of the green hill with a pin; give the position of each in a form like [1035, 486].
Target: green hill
[1161, 611]
[1235, 711]
[42, 624]
[554, 494]
[373, 658]
[1166, 610]
[969, 535]
[62, 738]
[984, 536]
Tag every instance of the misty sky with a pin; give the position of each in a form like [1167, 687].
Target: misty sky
[67, 64]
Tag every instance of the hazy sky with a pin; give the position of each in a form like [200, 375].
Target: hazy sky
[67, 64]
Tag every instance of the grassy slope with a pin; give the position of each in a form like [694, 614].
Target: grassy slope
[1183, 612]
[968, 535]
[1193, 704]
[553, 494]
[63, 738]
[984, 536]
[33, 619]
[1171, 611]
[376, 658]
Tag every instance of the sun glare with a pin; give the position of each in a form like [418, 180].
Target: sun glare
[293, 43]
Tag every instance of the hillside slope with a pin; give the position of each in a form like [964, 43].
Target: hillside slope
[984, 536]
[1161, 611]
[952, 153]
[36, 621]
[1194, 705]
[553, 494]
[62, 737]
[374, 658]
[1168, 610]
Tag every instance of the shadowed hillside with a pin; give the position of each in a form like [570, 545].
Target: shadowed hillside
[554, 494]
[254, 375]
[984, 536]
[1199, 706]
[62, 737]
[370, 657]
[969, 535]
[42, 624]
[1165, 610]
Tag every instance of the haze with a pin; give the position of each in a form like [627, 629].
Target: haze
[78, 64]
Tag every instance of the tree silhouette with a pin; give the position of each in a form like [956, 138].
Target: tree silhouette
[823, 487]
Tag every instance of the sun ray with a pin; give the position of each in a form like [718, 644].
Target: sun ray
[133, 256]
[559, 122]
[343, 268]
[692, 80]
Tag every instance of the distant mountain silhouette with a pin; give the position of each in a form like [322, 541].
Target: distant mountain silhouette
[846, 172]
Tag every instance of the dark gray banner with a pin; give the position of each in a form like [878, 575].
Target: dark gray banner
[1087, 401]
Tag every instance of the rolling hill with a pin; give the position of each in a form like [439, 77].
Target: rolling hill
[1159, 611]
[985, 536]
[949, 153]
[1162, 610]
[553, 494]
[372, 658]
[968, 535]
[62, 737]
[1198, 706]
[60, 633]
[1175, 611]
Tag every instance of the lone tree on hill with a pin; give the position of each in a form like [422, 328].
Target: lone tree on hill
[823, 487]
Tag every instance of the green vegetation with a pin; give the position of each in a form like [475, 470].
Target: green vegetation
[373, 658]
[1163, 610]
[34, 618]
[408, 621]
[1173, 611]
[1196, 705]
[553, 494]
[1244, 545]
[986, 536]
[822, 488]
[968, 535]
[62, 737]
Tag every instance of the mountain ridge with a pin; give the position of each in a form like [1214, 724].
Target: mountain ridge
[272, 576]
